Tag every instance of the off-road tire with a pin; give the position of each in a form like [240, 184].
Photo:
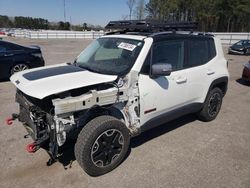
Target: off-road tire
[214, 96]
[89, 138]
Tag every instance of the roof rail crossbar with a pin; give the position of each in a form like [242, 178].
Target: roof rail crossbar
[151, 25]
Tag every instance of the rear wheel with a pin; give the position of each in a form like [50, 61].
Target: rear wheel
[212, 105]
[102, 145]
[18, 67]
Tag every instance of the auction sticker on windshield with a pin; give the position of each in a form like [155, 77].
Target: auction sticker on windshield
[127, 46]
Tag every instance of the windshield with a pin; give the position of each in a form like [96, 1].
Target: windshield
[239, 43]
[114, 56]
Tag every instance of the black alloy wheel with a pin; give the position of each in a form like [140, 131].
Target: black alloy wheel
[212, 105]
[102, 145]
[107, 148]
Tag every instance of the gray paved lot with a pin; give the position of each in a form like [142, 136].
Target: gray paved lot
[183, 153]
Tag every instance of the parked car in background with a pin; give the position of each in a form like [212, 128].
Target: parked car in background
[241, 47]
[246, 72]
[15, 58]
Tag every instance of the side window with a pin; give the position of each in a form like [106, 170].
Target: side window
[200, 51]
[197, 52]
[212, 50]
[171, 52]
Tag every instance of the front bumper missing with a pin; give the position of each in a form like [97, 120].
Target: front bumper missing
[37, 144]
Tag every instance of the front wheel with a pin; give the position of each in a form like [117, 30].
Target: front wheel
[102, 145]
[212, 105]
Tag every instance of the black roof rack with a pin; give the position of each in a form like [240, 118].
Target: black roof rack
[151, 26]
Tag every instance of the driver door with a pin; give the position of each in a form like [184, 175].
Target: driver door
[162, 94]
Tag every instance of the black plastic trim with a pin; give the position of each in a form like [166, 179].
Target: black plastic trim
[223, 80]
[171, 115]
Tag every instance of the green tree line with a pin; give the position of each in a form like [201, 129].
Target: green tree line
[40, 23]
[212, 15]
[31, 23]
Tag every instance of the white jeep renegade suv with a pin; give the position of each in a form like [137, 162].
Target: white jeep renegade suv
[118, 87]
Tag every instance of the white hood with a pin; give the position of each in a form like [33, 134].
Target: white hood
[45, 81]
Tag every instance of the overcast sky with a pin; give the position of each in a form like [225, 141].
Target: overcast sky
[97, 12]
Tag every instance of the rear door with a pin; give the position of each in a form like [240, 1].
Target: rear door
[200, 65]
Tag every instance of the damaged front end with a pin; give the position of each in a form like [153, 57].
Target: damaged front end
[54, 119]
[36, 116]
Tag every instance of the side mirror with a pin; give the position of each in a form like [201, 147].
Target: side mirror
[161, 69]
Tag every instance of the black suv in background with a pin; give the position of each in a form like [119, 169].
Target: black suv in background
[15, 58]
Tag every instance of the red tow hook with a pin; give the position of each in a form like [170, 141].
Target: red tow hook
[9, 121]
[32, 148]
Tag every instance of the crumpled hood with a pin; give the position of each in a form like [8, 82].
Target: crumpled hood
[45, 81]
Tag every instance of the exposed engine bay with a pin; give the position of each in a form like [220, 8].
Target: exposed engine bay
[56, 118]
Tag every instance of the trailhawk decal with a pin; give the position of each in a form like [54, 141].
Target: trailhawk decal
[44, 73]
